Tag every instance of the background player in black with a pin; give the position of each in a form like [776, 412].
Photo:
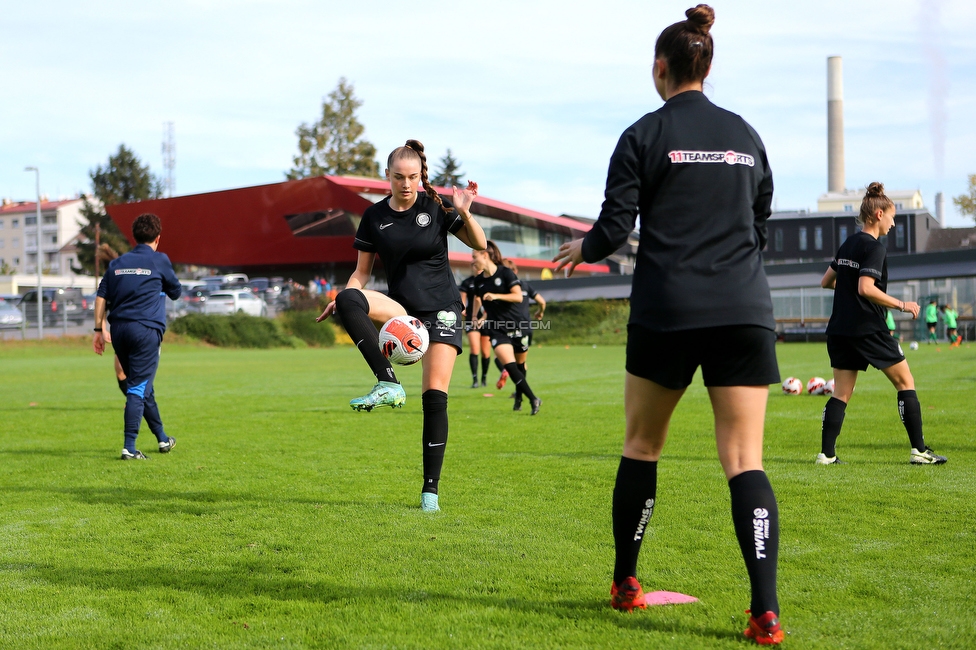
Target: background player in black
[698, 177]
[409, 232]
[479, 345]
[525, 326]
[857, 335]
[497, 288]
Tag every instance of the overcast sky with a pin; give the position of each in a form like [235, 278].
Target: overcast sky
[530, 96]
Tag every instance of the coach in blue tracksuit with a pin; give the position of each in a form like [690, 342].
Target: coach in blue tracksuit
[133, 290]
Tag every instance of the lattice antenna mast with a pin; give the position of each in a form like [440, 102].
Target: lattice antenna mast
[169, 159]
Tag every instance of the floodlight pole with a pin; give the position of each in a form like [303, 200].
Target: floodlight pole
[40, 288]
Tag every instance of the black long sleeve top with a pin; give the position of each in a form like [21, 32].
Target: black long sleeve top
[698, 177]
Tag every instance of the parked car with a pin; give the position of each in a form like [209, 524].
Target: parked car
[212, 282]
[10, 316]
[58, 305]
[231, 302]
[194, 299]
[11, 298]
[88, 304]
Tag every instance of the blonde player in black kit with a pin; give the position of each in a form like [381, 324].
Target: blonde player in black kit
[857, 335]
[408, 230]
[698, 177]
[497, 288]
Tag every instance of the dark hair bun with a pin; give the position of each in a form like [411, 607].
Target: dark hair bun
[702, 17]
[416, 145]
[875, 189]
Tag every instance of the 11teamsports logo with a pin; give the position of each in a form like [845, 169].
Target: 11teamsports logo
[728, 157]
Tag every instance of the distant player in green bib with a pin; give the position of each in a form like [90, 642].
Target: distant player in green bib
[932, 320]
[950, 315]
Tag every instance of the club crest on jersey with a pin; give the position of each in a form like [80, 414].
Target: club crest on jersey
[423, 219]
[446, 319]
[498, 282]
[728, 157]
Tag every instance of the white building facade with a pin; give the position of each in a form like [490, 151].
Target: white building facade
[18, 236]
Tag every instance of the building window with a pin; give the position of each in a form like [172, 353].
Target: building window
[30, 221]
[15, 223]
[16, 261]
[898, 206]
[1, 243]
[899, 236]
[54, 239]
[803, 238]
[15, 242]
[848, 207]
[842, 234]
[1, 224]
[818, 238]
[778, 240]
[50, 219]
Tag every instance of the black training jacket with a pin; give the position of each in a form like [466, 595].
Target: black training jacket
[698, 177]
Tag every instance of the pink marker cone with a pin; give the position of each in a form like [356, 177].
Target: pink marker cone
[667, 598]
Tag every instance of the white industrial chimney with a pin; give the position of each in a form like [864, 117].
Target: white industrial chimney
[835, 125]
[940, 208]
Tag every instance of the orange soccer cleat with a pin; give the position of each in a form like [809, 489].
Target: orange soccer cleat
[628, 596]
[500, 384]
[765, 630]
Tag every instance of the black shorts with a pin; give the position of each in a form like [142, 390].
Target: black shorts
[879, 349]
[515, 338]
[444, 326]
[732, 355]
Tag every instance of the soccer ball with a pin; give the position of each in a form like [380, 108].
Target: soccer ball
[792, 386]
[403, 340]
[828, 388]
[816, 386]
[913, 345]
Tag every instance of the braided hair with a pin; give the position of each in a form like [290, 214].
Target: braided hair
[416, 148]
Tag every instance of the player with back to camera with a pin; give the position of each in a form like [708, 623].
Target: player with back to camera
[698, 177]
[497, 288]
[525, 325]
[479, 345]
[132, 290]
[857, 335]
[408, 231]
[951, 317]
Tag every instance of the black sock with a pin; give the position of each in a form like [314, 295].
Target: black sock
[498, 364]
[910, 412]
[633, 505]
[473, 362]
[518, 389]
[353, 309]
[830, 424]
[756, 520]
[435, 437]
[485, 362]
[123, 385]
[519, 379]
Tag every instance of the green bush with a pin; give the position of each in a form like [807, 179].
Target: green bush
[235, 331]
[584, 322]
[302, 325]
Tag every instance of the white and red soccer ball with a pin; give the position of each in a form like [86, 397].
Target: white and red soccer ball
[815, 385]
[828, 388]
[792, 386]
[404, 340]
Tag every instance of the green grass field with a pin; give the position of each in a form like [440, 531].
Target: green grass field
[283, 519]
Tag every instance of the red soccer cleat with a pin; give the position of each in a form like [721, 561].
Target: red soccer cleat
[628, 596]
[501, 380]
[765, 630]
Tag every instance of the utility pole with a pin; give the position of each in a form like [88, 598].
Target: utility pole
[40, 288]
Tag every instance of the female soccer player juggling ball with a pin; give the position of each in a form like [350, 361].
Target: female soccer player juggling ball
[698, 177]
[857, 335]
[408, 231]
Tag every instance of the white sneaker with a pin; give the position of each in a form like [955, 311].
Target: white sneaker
[165, 447]
[925, 457]
[823, 459]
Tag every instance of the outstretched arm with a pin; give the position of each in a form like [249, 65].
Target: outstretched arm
[472, 234]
